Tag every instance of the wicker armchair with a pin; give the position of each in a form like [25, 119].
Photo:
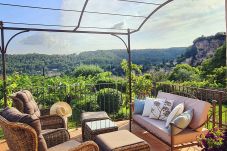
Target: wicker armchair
[22, 137]
[25, 103]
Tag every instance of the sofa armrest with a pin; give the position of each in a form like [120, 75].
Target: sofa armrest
[52, 122]
[173, 125]
[86, 146]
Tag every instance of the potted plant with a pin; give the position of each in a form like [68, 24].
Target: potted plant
[214, 140]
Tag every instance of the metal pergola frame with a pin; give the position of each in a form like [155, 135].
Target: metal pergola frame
[127, 44]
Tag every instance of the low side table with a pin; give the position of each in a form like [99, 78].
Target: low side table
[92, 116]
[94, 128]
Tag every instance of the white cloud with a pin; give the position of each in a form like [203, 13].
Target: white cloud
[176, 24]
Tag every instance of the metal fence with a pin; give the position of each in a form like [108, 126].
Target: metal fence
[109, 97]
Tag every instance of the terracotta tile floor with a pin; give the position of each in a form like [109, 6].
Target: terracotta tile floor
[155, 144]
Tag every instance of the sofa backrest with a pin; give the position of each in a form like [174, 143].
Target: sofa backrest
[200, 108]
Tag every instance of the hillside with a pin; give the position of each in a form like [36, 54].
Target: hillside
[201, 49]
[107, 59]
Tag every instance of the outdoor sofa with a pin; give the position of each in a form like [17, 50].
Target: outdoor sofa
[186, 138]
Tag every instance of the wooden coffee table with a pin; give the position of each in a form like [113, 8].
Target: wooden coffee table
[94, 128]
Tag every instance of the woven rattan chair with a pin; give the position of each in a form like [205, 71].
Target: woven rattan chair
[26, 104]
[22, 137]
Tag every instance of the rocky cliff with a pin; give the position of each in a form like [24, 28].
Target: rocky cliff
[202, 48]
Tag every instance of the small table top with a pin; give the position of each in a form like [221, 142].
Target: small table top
[93, 116]
[100, 124]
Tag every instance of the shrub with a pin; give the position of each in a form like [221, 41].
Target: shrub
[86, 70]
[109, 100]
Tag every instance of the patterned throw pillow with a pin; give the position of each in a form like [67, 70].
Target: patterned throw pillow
[166, 109]
[161, 108]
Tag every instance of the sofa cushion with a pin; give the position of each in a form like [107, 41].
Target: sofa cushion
[13, 115]
[174, 113]
[166, 109]
[66, 146]
[147, 107]
[139, 106]
[156, 108]
[29, 104]
[181, 121]
[201, 108]
[157, 127]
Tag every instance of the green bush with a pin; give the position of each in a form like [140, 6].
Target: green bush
[109, 100]
[87, 70]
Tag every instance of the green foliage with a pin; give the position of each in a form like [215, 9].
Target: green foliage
[142, 86]
[218, 60]
[157, 76]
[184, 72]
[109, 60]
[109, 100]
[87, 70]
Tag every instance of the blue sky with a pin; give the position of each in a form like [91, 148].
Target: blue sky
[175, 25]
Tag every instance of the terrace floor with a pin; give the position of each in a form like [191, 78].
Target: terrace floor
[155, 144]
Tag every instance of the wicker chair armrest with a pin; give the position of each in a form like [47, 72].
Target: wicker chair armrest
[52, 122]
[86, 146]
[44, 112]
[56, 137]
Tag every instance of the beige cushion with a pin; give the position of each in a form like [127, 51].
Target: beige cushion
[181, 121]
[65, 146]
[201, 108]
[24, 101]
[157, 127]
[91, 116]
[117, 139]
[174, 113]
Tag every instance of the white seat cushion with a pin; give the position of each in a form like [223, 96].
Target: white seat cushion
[157, 127]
